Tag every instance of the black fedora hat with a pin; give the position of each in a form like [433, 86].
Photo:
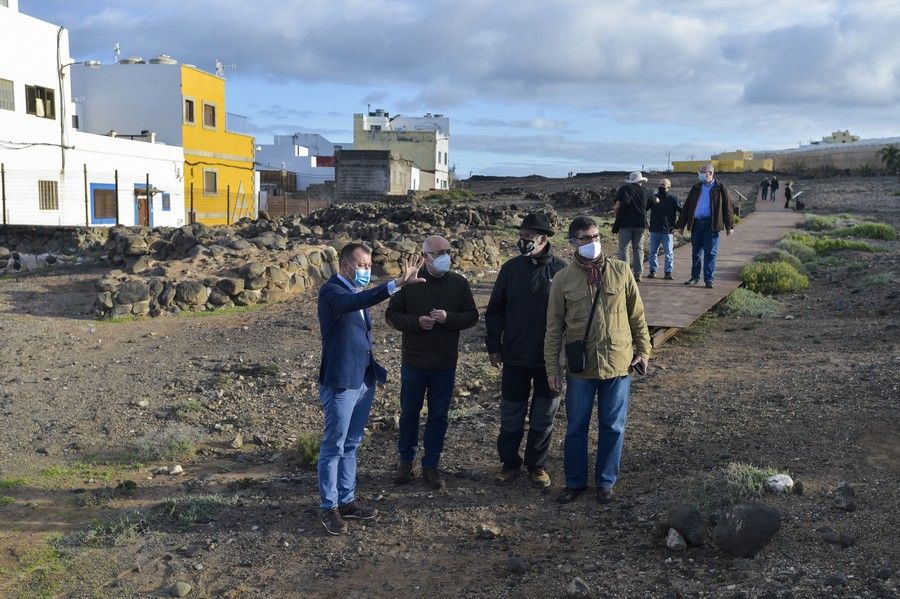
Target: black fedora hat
[537, 221]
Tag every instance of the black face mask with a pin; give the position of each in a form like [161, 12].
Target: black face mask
[525, 246]
[661, 194]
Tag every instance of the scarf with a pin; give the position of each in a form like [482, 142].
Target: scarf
[593, 268]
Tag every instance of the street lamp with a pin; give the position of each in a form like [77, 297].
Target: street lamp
[62, 107]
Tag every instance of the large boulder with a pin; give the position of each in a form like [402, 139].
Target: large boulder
[230, 286]
[131, 292]
[746, 528]
[192, 293]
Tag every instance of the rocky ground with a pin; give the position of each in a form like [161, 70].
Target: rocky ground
[96, 415]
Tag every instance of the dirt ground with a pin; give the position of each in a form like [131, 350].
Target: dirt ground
[86, 406]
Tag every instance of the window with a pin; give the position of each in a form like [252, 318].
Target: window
[74, 121]
[209, 115]
[48, 195]
[104, 204]
[210, 182]
[7, 99]
[166, 202]
[4, 2]
[189, 111]
[39, 101]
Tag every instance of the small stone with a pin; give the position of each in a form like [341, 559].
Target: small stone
[579, 589]
[675, 541]
[845, 497]
[883, 573]
[181, 589]
[237, 442]
[260, 439]
[161, 470]
[198, 567]
[836, 580]
[834, 537]
[781, 484]
[142, 403]
[487, 533]
[176, 470]
[516, 564]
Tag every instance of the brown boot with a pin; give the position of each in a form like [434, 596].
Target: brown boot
[404, 474]
[539, 478]
[432, 478]
[333, 523]
[357, 510]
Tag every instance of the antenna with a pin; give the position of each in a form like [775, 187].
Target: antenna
[117, 50]
[220, 68]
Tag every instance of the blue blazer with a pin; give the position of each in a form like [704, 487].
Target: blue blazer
[347, 359]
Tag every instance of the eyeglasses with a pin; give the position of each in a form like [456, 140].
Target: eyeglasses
[587, 238]
[440, 253]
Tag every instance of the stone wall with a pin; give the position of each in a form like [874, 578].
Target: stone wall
[28, 239]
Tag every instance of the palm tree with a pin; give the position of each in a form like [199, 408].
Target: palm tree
[890, 158]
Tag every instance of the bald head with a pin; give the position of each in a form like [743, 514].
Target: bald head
[435, 243]
[435, 248]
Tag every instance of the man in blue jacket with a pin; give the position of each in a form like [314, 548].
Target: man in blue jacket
[347, 377]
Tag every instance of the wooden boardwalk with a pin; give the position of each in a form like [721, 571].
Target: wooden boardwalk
[671, 305]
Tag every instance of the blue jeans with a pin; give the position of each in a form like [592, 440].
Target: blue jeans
[415, 384]
[612, 410]
[705, 242]
[346, 413]
[666, 241]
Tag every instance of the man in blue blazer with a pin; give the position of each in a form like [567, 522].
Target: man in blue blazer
[347, 377]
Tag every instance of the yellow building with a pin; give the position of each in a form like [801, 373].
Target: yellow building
[738, 161]
[218, 164]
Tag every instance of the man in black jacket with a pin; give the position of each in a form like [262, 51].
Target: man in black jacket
[633, 201]
[515, 321]
[663, 214]
[430, 319]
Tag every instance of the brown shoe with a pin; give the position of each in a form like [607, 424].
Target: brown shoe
[604, 495]
[432, 478]
[507, 475]
[540, 478]
[357, 510]
[404, 474]
[333, 523]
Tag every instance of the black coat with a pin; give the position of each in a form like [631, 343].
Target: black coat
[664, 215]
[516, 315]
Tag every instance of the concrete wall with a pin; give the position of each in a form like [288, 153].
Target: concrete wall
[852, 156]
[367, 175]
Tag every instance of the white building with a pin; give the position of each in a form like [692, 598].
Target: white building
[423, 140]
[309, 155]
[54, 174]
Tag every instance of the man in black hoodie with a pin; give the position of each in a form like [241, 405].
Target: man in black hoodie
[515, 321]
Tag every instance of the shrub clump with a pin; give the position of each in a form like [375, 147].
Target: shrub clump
[308, 451]
[869, 231]
[771, 278]
[779, 255]
[817, 223]
[743, 302]
[798, 249]
[826, 245]
[735, 483]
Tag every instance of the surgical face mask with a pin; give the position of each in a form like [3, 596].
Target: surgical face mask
[441, 264]
[702, 177]
[591, 251]
[526, 246]
[363, 275]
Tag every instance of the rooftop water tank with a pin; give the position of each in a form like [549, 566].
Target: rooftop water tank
[163, 59]
[132, 60]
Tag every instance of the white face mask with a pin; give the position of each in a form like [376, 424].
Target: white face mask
[702, 177]
[441, 264]
[591, 251]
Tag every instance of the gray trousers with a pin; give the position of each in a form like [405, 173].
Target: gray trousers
[517, 402]
[635, 237]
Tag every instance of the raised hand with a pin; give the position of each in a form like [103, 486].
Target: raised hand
[410, 272]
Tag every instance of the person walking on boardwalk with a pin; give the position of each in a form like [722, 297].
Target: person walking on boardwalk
[764, 189]
[633, 201]
[515, 322]
[430, 316]
[663, 215]
[788, 194]
[348, 373]
[774, 187]
[707, 211]
[595, 312]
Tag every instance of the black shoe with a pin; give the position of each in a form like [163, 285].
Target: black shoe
[356, 510]
[569, 494]
[668, 276]
[692, 281]
[604, 495]
[709, 285]
[507, 475]
[651, 275]
[333, 523]
[432, 478]
[404, 474]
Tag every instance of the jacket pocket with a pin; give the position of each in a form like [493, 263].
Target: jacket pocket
[577, 308]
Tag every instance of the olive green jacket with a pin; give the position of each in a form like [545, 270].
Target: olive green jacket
[618, 331]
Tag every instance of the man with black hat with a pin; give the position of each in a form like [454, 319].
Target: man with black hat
[515, 321]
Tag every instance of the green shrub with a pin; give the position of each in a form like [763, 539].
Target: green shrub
[817, 223]
[801, 237]
[171, 443]
[779, 255]
[743, 302]
[798, 249]
[308, 451]
[869, 231]
[735, 483]
[879, 280]
[820, 263]
[773, 277]
[826, 245]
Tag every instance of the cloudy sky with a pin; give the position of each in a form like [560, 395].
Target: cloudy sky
[531, 86]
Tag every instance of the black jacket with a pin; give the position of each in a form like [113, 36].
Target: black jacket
[437, 349]
[634, 202]
[516, 315]
[664, 215]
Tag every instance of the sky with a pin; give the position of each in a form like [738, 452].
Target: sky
[530, 86]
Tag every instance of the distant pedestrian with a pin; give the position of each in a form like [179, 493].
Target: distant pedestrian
[707, 211]
[515, 323]
[774, 187]
[788, 194]
[764, 189]
[631, 206]
[663, 216]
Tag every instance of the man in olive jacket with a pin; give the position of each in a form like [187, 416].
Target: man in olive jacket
[430, 319]
[514, 322]
[707, 211]
[618, 339]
